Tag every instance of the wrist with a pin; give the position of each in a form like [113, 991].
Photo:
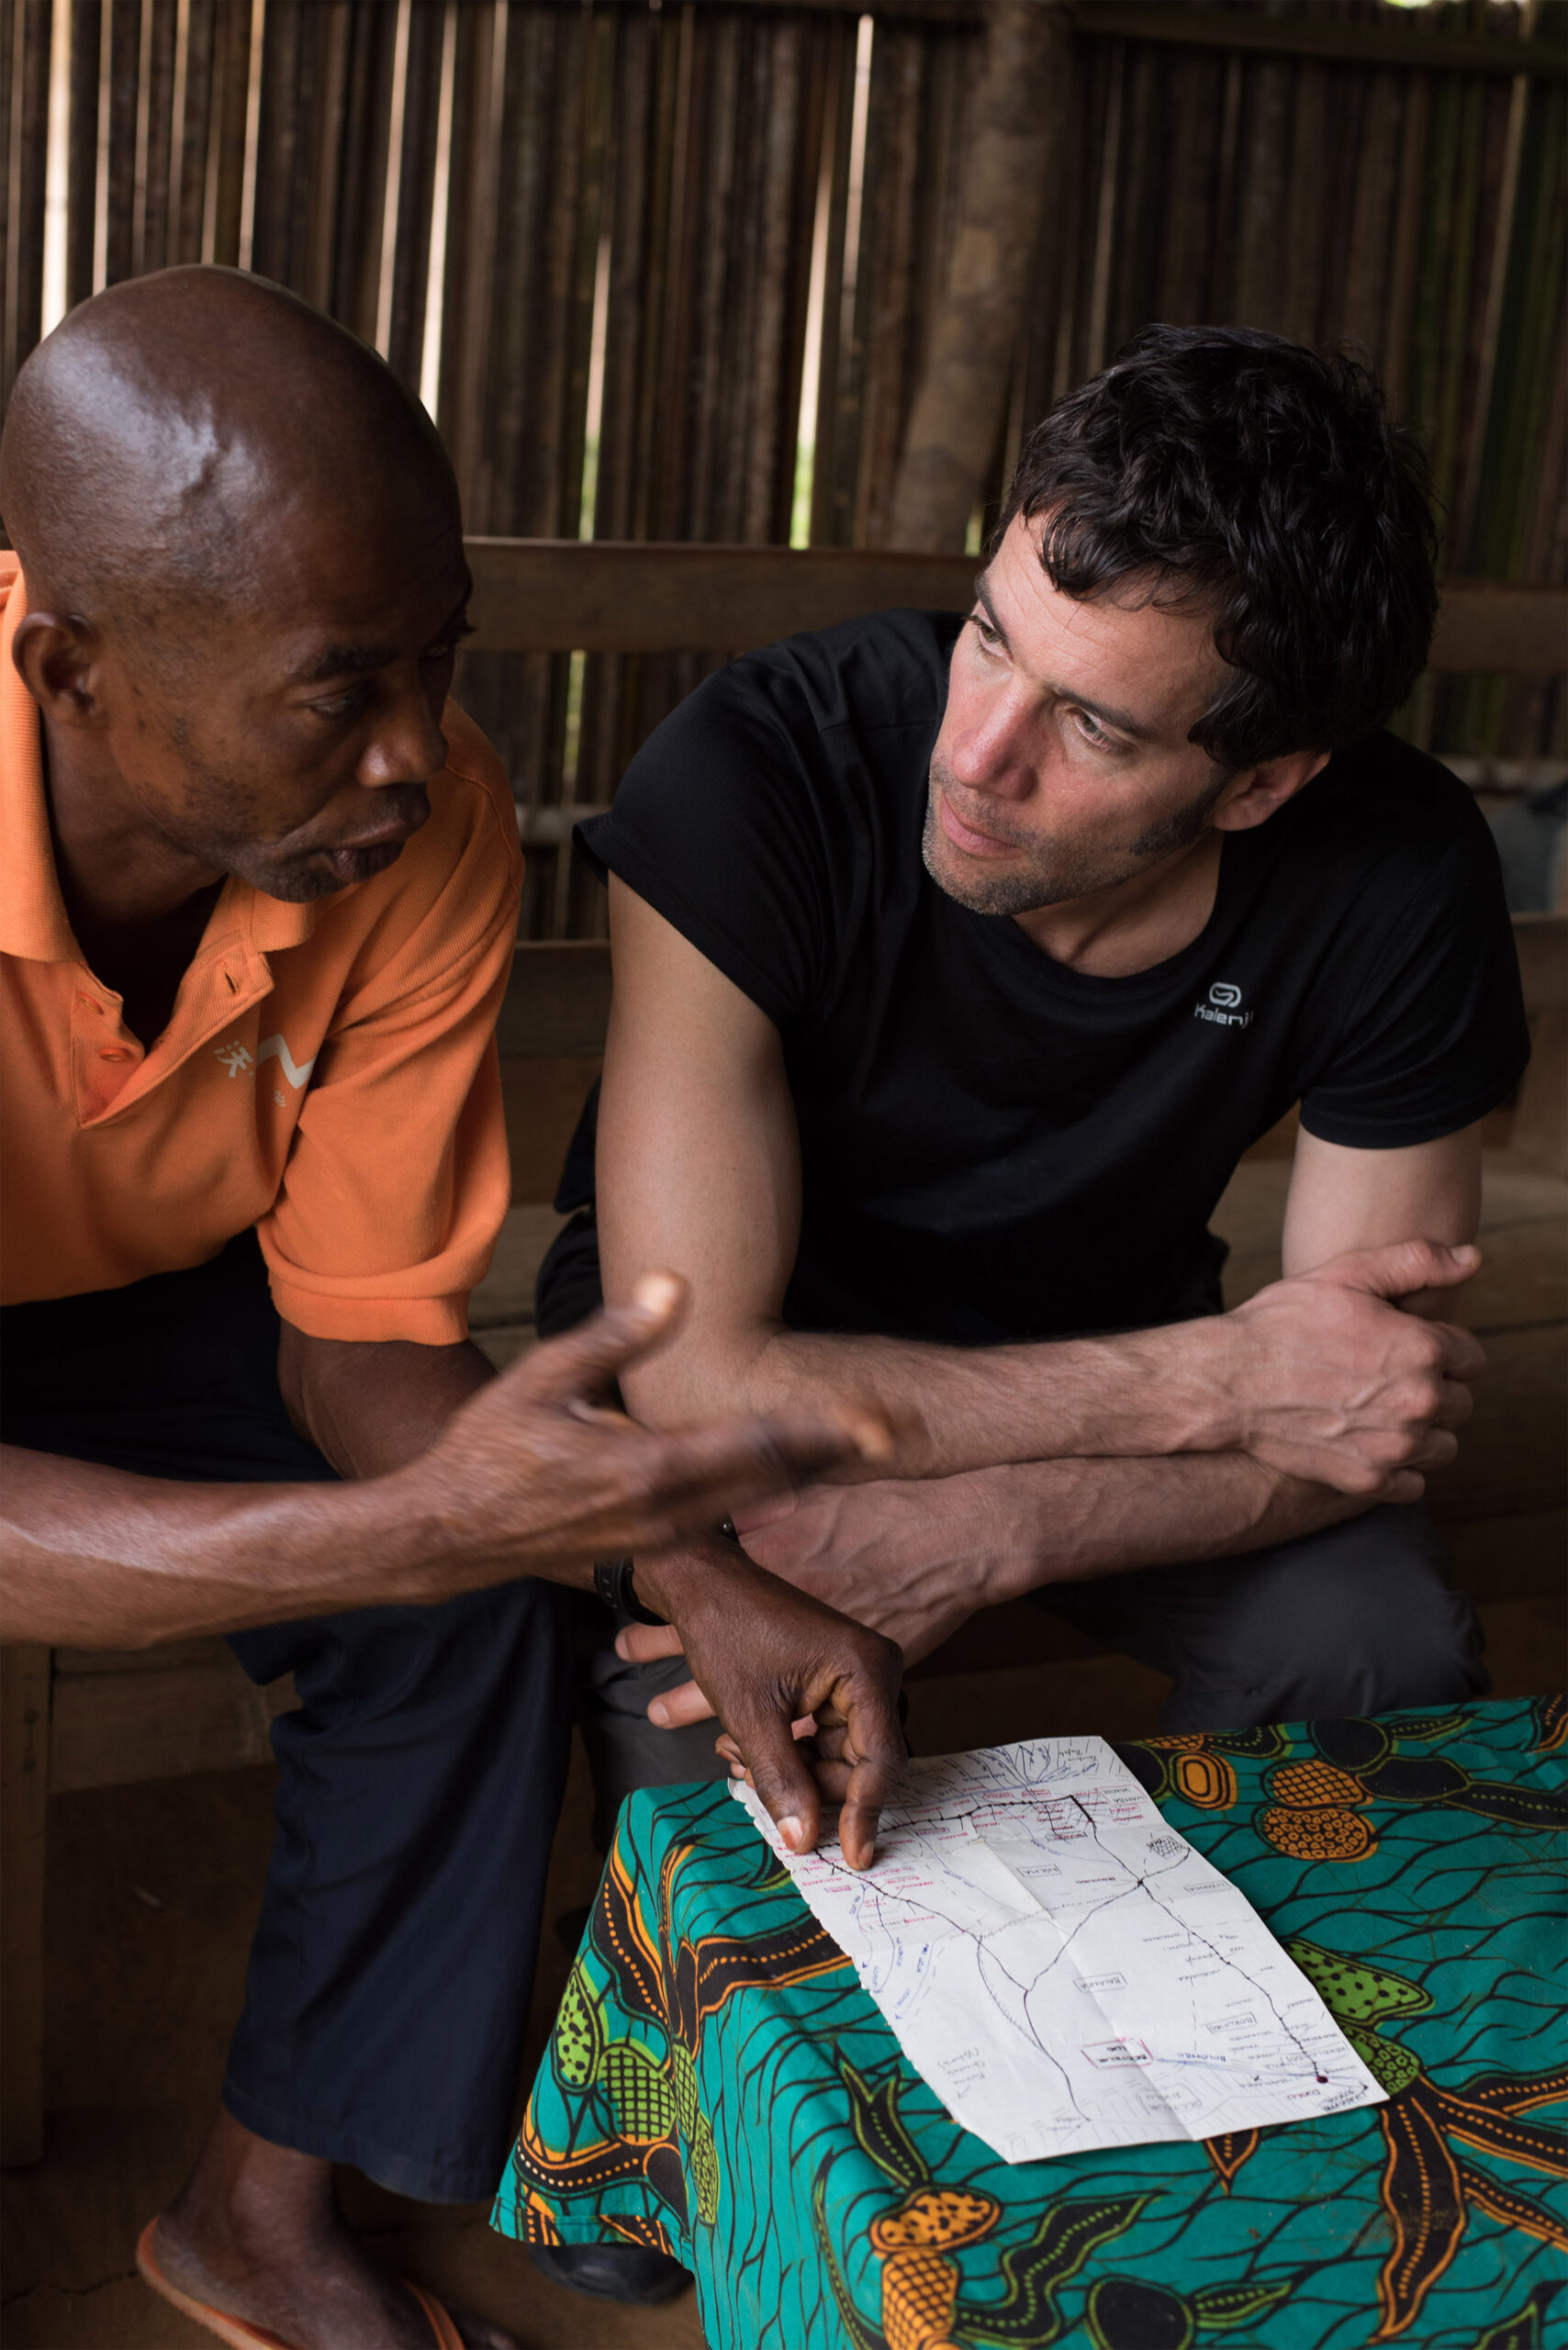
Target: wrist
[1188, 1372]
[417, 1538]
[669, 1581]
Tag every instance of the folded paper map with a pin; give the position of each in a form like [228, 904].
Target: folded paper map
[1064, 1969]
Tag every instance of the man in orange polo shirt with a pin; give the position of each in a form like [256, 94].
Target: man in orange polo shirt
[257, 913]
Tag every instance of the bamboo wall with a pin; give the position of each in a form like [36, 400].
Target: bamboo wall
[645, 219]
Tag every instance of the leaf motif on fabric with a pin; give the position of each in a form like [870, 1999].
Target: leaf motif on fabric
[1353, 1987]
[1218, 2308]
[1425, 2203]
[1228, 2150]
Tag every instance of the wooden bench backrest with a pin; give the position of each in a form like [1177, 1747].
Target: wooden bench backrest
[620, 596]
[552, 1025]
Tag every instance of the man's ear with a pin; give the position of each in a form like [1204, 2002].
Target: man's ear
[60, 662]
[1252, 796]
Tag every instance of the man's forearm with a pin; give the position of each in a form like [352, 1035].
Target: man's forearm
[913, 1558]
[99, 1557]
[957, 1408]
[1064, 1521]
[1318, 1377]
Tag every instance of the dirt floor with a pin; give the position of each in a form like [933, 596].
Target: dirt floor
[152, 1888]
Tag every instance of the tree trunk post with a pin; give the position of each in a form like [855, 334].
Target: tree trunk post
[1014, 135]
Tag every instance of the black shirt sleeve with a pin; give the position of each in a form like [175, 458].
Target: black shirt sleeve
[1433, 1032]
[725, 825]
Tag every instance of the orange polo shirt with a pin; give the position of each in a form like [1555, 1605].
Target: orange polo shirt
[328, 1074]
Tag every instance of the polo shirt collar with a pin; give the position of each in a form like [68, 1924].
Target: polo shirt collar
[33, 920]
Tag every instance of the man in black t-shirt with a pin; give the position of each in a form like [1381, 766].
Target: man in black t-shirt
[959, 960]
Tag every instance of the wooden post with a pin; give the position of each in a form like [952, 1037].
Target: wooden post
[24, 1796]
[1012, 137]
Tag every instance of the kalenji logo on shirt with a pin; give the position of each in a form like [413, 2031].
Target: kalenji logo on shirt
[1222, 1008]
[238, 1061]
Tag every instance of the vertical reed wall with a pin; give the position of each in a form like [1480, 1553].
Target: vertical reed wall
[683, 254]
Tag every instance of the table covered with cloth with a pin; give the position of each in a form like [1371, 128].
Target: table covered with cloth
[720, 2085]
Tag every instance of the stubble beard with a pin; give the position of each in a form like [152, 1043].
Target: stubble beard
[1050, 875]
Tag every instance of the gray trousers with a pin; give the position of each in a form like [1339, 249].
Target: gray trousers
[1357, 1619]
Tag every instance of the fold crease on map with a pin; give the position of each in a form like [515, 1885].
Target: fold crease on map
[1063, 1968]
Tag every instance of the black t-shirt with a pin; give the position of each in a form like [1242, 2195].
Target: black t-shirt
[994, 1145]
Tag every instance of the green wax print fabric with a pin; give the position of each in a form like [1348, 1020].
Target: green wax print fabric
[719, 2084]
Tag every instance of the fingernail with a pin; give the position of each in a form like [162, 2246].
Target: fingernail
[873, 1438]
[660, 1714]
[656, 1293]
[793, 1832]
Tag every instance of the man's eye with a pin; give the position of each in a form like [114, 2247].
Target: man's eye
[446, 650]
[988, 633]
[340, 705]
[1091, 730]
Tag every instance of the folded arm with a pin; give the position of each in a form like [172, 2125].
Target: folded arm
[916, 1554]
[698, 1168]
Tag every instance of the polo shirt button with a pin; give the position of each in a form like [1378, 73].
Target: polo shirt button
[113, 1053]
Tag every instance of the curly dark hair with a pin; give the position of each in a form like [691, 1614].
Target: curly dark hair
[1227, 466]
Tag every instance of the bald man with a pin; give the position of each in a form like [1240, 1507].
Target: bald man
[257, 914]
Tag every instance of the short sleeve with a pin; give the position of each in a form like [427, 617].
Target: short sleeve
[398, 1178]
[1434, 1035]
[727, 823]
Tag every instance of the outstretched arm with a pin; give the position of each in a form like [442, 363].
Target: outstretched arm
[525, 1475]
[698, 1168]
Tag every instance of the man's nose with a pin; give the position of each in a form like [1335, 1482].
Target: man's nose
[407, 747]
[990, 751]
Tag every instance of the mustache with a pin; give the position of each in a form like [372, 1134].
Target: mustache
[982, 818]
[400, 808]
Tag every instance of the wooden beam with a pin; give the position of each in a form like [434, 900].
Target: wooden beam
[1501, 630]
[613, 596]
[557, 1001]
[24, 1789]
[556, 1006]
[111, 1729]
[1540, 1136]
[1319, 34]
[616, 596]
[1541, 942]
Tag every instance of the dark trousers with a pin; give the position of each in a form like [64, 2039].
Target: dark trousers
[1355, 1619]
[419, 1780]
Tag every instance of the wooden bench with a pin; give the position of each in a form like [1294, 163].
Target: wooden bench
[74, 1719]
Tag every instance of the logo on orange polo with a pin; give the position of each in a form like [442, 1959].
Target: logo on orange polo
[239, 1061]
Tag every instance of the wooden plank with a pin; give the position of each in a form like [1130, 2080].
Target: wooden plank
[557, 1004]
[125, 76]
[1542, 944]
[21, 296]
[24, 1789]
[609, 596]
[1516, 631]
[1317, 34]
[111, 1729]
[561, 595]
[81, 201]
[557, 1001]
[543, 1100]
[1540, 1136]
